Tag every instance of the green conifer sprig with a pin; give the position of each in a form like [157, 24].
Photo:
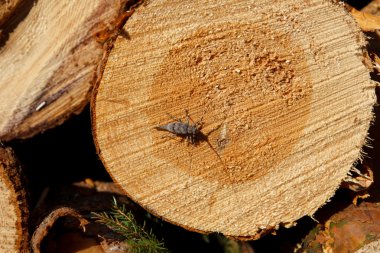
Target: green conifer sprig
[124, 223]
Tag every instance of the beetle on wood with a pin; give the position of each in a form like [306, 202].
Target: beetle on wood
[191, 132]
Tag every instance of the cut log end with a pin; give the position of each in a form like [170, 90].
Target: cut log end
[13, 212]
[50, 62]
[280, 90]
[252, 93]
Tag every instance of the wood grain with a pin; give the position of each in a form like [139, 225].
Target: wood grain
[49, 63]
[285, 101]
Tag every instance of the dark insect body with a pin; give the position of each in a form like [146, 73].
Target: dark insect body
[191, 132]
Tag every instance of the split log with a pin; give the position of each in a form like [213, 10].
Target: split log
[285, 100]
[49, 62]
[14, 236]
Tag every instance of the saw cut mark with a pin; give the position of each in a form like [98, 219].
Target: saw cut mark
[281, 90]
[253, 81]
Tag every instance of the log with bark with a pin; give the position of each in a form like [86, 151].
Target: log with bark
[67, 225]
[49, 58]
[14, 236]
[282, 93]
[355, 228]
[7, 9]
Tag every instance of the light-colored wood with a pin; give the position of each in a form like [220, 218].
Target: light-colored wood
[49, 63]
[285, 98]
[372, 247]
[14, 236]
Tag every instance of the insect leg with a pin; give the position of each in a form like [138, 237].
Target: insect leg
[172, 136]
[198, 123]
[188, 140]
[187, 117]
[174, 118]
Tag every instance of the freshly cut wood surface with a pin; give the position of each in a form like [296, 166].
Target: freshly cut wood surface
[285, 99]
[49, 63]
[14, 234]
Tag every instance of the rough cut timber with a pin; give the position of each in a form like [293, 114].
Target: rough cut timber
[14, 234]
[284, 96]
[49, 61]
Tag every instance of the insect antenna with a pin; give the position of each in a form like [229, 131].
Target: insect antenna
[215, 152]
[199, 122]
[204, 137]
[174, 118]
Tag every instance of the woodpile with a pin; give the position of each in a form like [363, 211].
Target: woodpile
[241, 118]
[50, 61]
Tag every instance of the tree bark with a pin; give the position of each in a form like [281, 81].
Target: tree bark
[49, 61]
[7, 9]
[353, 229]
[14, 212]
[281, 89]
